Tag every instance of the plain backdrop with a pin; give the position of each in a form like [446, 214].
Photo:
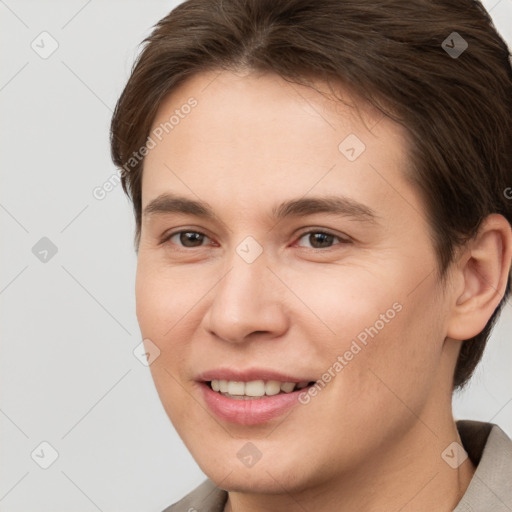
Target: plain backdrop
[68, 375]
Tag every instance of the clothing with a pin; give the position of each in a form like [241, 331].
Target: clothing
[490, 489]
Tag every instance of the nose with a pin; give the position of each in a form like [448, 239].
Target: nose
[246, 303]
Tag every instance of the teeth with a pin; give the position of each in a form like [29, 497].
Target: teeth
[287, 387]
[255, 388]
[236, 388]
[272, 387]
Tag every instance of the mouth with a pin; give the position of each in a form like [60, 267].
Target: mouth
[249, 400]
[254, 389]
[252, 396]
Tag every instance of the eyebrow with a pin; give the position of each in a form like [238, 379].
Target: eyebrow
[337, 205]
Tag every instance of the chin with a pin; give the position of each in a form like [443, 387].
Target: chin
[252, 480]
[269, 475]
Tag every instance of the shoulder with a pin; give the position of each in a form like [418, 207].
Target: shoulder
[207, 497]
[490, 449]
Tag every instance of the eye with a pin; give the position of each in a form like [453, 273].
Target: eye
[320, 240]
[188, 239]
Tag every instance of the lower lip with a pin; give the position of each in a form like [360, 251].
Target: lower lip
[249, 412]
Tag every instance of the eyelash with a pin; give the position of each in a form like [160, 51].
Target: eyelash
[341, 240]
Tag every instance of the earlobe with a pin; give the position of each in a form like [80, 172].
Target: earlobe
[483, 270]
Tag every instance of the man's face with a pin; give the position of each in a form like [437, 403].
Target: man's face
[277, 285]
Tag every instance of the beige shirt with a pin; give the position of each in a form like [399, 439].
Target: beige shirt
[490, 489]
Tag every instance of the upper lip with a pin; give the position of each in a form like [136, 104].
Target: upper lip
[250, 374]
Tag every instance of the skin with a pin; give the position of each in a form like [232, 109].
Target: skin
[372, 439]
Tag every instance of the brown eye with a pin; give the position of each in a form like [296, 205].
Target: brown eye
[319, 240]
[188, 238]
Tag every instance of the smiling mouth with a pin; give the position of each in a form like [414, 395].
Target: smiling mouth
[256, 389]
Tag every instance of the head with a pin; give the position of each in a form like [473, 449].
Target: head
[332, 192]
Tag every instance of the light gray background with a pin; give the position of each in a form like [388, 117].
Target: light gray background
[68, 375]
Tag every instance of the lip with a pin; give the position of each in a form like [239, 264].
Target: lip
[253, 411]
[251, 374]
[249, 412]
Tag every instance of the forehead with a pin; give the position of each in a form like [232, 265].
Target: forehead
[249, 138]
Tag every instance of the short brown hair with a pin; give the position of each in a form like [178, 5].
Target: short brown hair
[457, 109]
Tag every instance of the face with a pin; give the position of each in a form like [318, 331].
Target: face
[281, 242]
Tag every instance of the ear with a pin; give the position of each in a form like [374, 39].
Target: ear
[481, 274]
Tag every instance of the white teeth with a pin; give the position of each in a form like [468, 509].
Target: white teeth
[287, 387]
[255, 388]
[272, 387]
[236, 388]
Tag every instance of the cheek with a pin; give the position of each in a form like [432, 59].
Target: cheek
[376, 336]
[165, 297]
[396, 369]
[165, 312]
[347, 304]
